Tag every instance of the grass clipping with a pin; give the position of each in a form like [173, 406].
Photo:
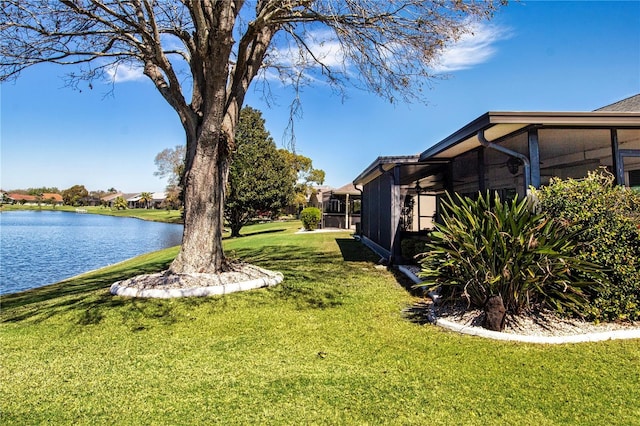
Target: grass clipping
[239, 277]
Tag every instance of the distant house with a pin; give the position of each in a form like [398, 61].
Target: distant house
[158, 199]
[44, 198]
[15, 198]
[130, 198]
[90, 200]
[109, 200]
[51, 198]
[506, 152]
[341, 207]
[133, 199]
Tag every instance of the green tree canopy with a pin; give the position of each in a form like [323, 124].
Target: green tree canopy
[74, 195]
[260, 180]
[304, 175]
[43, 190]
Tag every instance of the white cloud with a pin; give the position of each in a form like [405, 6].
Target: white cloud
[329, 52]
[471, 49]
[121, 73]
[319, 47]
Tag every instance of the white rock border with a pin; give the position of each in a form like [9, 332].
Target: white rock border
[552, 340]
[118, 289]
[575, 338]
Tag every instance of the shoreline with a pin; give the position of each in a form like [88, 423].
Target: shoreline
[62, 255]
[152, 215]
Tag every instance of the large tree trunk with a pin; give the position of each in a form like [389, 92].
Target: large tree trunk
[205, 180]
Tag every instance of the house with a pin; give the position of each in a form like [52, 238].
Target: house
[44, 198]
[158, 198]
[507, 152]
[15, 198]
[341, 207]
[52, 198]
[131, 199]
[109, 200]
[90, 200]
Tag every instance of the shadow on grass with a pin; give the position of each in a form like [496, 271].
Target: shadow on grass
[85, 294]
[313, 280]
[355, 251]
[79, 285]
[251, 234]
[419, 313]
[306, 271]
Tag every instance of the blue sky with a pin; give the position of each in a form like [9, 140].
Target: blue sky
[533, 56]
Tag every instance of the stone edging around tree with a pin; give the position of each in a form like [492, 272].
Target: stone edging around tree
[481, 332]
[119, 289]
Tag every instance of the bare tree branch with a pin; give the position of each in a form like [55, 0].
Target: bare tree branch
[216, 49]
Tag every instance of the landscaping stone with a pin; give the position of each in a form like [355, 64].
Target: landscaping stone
[164, 286]
[494, 314]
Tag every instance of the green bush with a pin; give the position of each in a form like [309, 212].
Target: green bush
[310, 218]
[412, 247]
[485, 247]
[606, 218]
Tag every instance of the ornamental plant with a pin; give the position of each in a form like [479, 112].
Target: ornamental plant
[310, 218]
[487, 247]
[605, 219]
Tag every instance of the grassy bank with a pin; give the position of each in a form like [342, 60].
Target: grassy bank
[329, 345]
[157, 215]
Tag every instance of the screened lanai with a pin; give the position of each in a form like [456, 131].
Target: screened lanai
[506, 152]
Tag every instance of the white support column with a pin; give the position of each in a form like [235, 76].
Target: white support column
[346, 213]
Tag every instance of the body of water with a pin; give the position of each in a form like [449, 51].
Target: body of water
[43, 247]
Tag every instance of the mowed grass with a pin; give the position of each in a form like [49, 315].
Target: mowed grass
[330, 345]
[156, 215]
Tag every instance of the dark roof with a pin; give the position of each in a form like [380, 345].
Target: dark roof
[382, 164]
[349, 188]
[409, 168]
[630, 104]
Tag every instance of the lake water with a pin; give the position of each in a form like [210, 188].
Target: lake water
[44, 247]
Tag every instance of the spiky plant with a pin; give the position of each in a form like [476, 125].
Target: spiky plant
[487, 247]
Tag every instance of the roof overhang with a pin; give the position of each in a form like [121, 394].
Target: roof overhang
[409, 169]
[497, 125]
[381, 165]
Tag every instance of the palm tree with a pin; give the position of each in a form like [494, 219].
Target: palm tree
[120, 203]
[146, 198]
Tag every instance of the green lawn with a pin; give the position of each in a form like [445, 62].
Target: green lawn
[157, 215]
[330, 345]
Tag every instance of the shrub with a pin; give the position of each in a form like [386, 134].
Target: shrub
[412, 247]
[486, 247]
[310, 218]
[606, 218]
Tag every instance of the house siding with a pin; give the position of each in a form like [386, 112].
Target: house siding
[377, 210]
